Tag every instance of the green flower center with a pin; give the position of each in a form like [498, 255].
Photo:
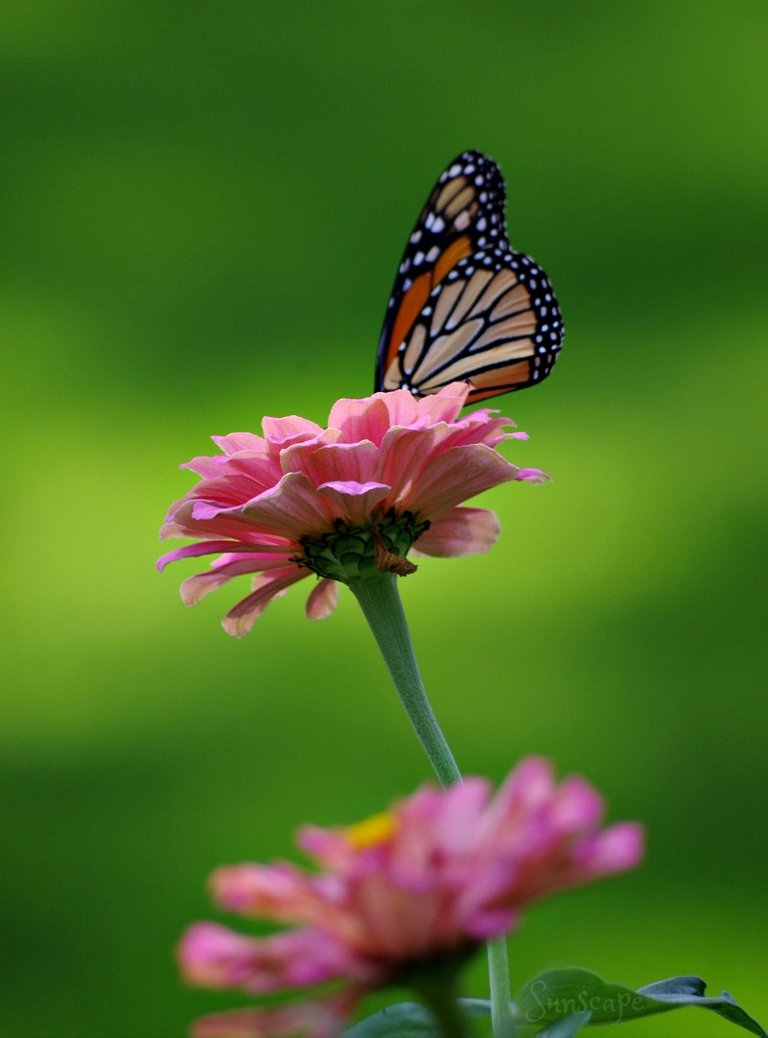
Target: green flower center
[350, 553]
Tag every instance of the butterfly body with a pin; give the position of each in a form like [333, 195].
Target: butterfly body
[465, 306]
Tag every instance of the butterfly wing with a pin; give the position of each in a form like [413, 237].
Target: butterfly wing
[464, 213]
[465, 306]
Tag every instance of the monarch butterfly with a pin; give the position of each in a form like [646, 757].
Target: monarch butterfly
[465, 306]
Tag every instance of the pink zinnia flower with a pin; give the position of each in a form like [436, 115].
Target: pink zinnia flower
[440, 872]
[346, 501]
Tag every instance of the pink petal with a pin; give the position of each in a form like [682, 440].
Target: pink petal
[444, 406]
[276, 892]
[228, 524]
[459, 474]
[207, 467]
[338, 462]
[201, 584]
[346, 409]
[352, 501]
[279, 893]
[460, 531]
[490, 431]
[215, 956]
[227, 490]
[456, 821]
[282, 432]
[305, 957]
[193, 551]
[329, 847]
[207, 511]
[577, 806]
[403, 408]
[242, 617]
[264, 471]
[293, 508]
[323, 599]
[533, 476]
[617, 848]
[438, 824]
[361, 419]
[292, 458]
[324, 1018]
[405, 455]
[527, 789]
[233, 443]
[530, 785]
[487, 922]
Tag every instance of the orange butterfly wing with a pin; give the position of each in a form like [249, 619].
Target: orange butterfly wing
[465, 306]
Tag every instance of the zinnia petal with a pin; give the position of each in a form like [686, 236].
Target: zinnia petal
[361, 420]
[229, 566]
[460, 531]
[293, 508]
[323, 599]
[234, 443]
[445, 404]
[460, 473]
[322, 1018]
[282, 432]
[193, 551]
[215, 956]
[353, 501]
[240, 619]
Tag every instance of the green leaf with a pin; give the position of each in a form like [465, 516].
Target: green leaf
[566, 1026]
[405, 1019]
[476, 1006]
[410, 1020]
[560, 994]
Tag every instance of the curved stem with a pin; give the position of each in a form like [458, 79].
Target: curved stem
[383, 610]
[380, 602]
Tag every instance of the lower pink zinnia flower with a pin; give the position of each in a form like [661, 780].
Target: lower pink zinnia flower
[439, 873]
[344, 501]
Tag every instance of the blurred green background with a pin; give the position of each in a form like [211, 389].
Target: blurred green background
[203, 208]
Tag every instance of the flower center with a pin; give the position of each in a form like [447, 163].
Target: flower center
[349, 553]
[371, 832]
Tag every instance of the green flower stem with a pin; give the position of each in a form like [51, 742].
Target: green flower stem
[383, 610]
[380, 602]
[502, 1022]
